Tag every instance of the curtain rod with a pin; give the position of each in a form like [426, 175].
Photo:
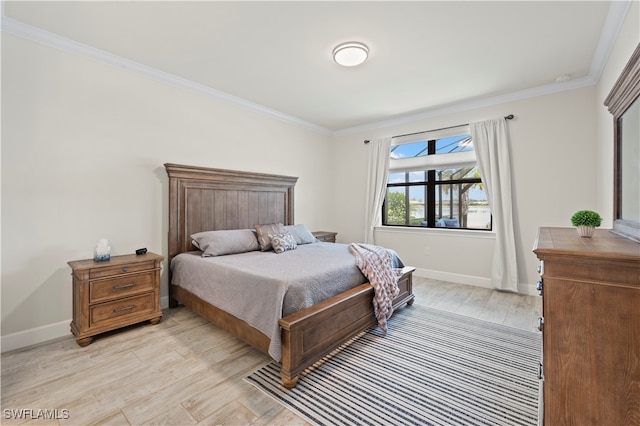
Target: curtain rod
[508, 117]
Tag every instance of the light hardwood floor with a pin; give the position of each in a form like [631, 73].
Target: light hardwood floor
[184, 371]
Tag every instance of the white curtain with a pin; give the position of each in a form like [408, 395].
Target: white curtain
[377, 175]
[492, 151]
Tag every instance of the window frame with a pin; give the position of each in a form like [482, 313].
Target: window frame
[431, 185]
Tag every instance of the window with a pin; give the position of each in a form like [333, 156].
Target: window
[434, 182]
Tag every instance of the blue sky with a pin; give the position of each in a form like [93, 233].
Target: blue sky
[443, 146]
[452, 144]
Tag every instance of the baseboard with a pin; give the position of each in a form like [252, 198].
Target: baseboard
[528, 289]
[523, 288]
[454, 278]
[33, 336]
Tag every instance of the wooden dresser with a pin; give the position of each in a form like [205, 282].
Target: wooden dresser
[590, 289]
[108, 295]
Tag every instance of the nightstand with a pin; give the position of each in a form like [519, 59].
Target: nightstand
[108, 295]
[325, 236]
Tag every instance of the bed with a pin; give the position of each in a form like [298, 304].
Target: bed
[206, 199]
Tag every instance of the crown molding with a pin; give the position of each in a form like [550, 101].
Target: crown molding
[613, 24]
[20, 29]
[471, 105]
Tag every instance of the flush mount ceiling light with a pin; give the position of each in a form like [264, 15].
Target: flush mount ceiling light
[350, 54]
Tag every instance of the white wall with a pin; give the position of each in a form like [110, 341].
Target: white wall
[626, 43]
[83, 148]
[562, 153]
[553, 141]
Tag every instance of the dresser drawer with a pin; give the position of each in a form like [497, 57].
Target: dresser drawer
[121, 309]
[108, 271]
[121, 287]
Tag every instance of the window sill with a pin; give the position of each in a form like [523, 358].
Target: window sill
[446, 232]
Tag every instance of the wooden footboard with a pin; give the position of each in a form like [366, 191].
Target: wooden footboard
[311, 333]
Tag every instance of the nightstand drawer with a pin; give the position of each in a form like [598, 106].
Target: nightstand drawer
[130, 306]
[120, 287]
[325, 236]
[109, 271]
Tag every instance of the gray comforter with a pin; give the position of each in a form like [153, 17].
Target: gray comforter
[262, 287]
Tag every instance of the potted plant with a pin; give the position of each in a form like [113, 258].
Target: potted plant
[586, 221]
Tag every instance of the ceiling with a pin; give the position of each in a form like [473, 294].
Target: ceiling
[276, 56]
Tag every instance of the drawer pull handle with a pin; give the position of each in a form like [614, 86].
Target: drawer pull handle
[120, 287]
[539, 287]
[125, 269]
[124, 308]
[540, 372]
[540, 323]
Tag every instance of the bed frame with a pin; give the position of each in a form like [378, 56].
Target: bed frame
[206, 199]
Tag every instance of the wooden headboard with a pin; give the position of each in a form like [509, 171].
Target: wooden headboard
[205, 199]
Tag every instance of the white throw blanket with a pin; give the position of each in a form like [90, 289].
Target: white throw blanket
[376, 263]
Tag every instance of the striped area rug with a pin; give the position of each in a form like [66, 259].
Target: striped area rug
[432, 368]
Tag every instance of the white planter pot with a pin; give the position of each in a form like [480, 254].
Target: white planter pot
[585, 231]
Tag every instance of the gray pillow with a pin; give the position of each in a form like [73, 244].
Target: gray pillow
[301, 234]
[263, 232]
[219, 243]
[283, 242]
